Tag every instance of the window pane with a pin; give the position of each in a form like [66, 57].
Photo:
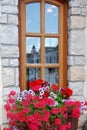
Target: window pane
[51, 50]
[51, 18]
[51, 75]
[33, 17]
[33, 50]
[32, 74]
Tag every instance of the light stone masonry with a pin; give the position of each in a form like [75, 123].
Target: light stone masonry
[16, 2]
[9, 34]
[7, 2]
[13, 19]
[76, 42]
[75, 11]
[13, 62]
[8, 76]
[9, 9]
[71, 60]
[77, 88]
[76, 73]
[3, 18]
[9, 51]
[16, 77]
[79, 60]
[5, 62]
[77, 3]
[77, 22]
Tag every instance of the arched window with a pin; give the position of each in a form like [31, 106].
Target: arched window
[42, 36]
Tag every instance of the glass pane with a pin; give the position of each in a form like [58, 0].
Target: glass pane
[33, 50]
[51, 18]
[33, 17]
[51, 50]
[32, 74]
[51, 75]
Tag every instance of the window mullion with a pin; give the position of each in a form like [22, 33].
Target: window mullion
[42, 40]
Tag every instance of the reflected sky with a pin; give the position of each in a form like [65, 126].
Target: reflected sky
[33, 25]
[33, 18]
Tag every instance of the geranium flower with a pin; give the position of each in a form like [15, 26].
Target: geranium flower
[43, 105]
[57, 121]
[76, 112]
[67, 92]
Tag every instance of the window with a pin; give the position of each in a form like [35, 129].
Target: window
[43, 41]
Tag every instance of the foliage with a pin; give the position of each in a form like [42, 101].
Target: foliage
[42, 106]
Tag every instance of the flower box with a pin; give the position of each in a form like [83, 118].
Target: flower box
[43, 107]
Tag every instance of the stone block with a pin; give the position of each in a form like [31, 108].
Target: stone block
[8, 76]
[77, 88]
[0, 9]
[77, 22]
[76, 42]
[16, 2]
[16, 77]
[76, 73]
[9, 9]
[7, 2]
[9, 34]
[71, 60]
[83, 11]
[9, 51]
[14, 62]
[3, 18]
[5, 62]
[76, 3]
[79, 60]
[13, 19]
[75, 11]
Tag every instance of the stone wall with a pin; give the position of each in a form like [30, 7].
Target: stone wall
[9, 51]
[77, 53]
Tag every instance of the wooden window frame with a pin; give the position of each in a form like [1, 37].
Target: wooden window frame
[62, 48]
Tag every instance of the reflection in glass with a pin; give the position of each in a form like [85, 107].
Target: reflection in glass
[51, 50]
[51, 18]
[51, 75]
[33, 17]
[33, 50]
[32, 74]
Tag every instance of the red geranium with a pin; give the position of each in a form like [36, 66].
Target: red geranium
[43, 105]
[67, 92]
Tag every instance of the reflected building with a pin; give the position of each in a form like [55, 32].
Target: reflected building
[51, 57]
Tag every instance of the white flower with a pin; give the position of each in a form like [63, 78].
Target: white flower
[31, 92]
[41, 92]
[19, 98]
[56, 103]
[24, 92]
[52, 94]
[47, 87]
